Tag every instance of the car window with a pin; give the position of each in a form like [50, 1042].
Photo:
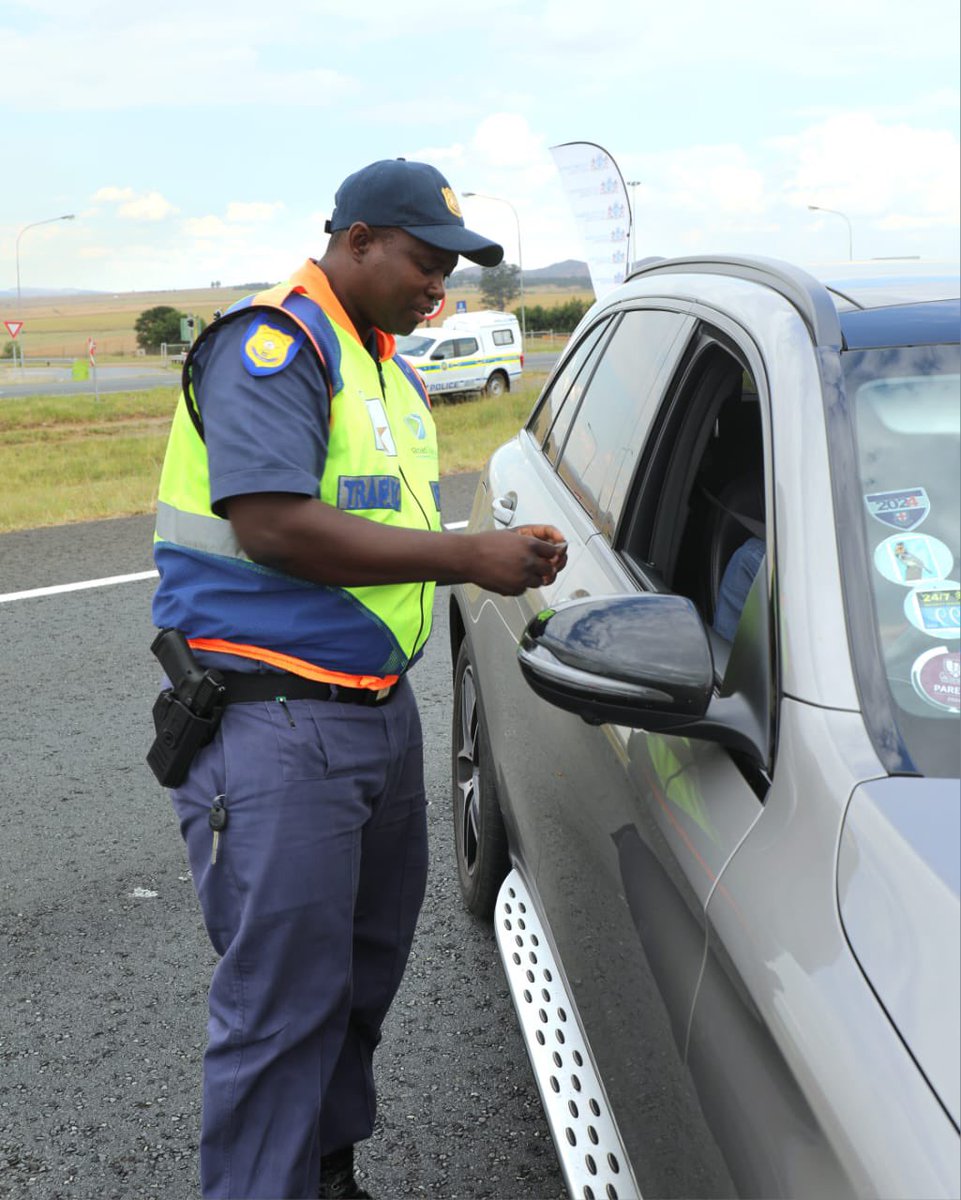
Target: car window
[905, 405]
[444, 350]
[465, 346]
[503, 337]
[575, 370]
[696, 523]
[414, 345]
[616, 408]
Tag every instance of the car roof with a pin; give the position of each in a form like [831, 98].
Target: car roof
[881, 283]
[882, 302]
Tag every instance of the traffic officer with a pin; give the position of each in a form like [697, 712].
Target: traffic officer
[298, 541]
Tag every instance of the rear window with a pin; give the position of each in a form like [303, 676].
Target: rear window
[503, 337]
[906, 410]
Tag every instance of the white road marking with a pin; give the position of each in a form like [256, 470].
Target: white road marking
[83, 585]
[76, 587]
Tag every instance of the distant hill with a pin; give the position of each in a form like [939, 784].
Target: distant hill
[11, 293]
[569, 273]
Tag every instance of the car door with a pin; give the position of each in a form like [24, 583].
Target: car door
[634, 352]
[636, 828]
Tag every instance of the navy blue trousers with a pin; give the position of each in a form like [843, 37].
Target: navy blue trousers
[311, 905]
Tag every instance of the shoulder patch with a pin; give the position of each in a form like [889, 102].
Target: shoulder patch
[268, 349]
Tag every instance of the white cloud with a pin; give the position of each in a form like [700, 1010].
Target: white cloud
[134, 206]
[858, 164]
[721, 180]
[207, 227]
[114, 194]
[506, 140]
[194, 58]
[149, 207]
[253, 211]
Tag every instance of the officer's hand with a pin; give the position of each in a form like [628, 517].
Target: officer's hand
[548, 533]
[509, 563]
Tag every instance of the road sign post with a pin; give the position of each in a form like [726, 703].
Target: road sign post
[13, 328]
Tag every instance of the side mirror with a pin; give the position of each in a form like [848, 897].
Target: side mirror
[642, 661]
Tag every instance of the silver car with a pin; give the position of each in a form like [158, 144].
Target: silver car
[707, 782]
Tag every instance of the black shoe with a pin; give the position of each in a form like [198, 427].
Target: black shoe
[337, 1180]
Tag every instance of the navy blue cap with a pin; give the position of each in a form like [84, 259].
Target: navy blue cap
[414, 197]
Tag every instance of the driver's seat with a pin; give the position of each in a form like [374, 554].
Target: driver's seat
[738, 513]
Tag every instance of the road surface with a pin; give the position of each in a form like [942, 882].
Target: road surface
[104, 964]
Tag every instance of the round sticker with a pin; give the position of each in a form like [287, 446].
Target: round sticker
[935, 609]
[936, 677]
[913, 559]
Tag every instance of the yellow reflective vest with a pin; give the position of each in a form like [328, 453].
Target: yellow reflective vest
[381, 465]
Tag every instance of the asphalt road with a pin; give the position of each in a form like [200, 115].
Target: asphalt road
[57, 381]
[104, 963]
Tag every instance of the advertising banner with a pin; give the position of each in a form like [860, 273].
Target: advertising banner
[598, 198]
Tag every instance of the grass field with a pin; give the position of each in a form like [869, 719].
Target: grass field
[74, 458]
[59, 326]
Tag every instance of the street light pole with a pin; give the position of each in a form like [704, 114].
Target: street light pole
[520, 260]
[818, 208]
[32, 225]
[633, 184]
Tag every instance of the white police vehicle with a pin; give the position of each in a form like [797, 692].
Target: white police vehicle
[469, 352]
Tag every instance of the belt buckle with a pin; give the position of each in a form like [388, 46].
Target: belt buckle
[381, 695]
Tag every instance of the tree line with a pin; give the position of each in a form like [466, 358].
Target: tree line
[500, 285]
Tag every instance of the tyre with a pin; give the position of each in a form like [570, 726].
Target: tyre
[480, 839]
[497, 385]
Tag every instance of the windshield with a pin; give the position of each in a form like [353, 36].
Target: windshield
[414, 345]
[907, 418]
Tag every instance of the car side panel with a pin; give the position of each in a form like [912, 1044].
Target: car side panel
[518, 476]
[616, 845]
[799, 1071]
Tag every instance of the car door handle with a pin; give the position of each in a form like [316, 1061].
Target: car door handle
[503, 508]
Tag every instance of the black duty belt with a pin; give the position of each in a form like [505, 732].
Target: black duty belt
[243, 688]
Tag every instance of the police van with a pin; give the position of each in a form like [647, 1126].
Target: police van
[469, 352]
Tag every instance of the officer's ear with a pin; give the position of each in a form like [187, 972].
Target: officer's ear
[363, 238]
[360, 239]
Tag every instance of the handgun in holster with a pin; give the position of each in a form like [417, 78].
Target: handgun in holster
[186, 714]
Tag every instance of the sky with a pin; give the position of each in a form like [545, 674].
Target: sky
[204, 141]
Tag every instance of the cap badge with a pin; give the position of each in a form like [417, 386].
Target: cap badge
[451, 201]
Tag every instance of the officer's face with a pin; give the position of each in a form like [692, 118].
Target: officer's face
[405, 280]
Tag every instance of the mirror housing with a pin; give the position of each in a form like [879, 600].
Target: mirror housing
[643, 661]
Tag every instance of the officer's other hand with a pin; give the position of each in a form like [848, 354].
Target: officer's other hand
[509, 563]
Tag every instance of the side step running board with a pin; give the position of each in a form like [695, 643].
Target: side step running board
[591, 1154]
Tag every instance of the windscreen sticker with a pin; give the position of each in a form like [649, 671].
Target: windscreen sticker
[936, 677]
[913, 560]
[901, 510]
[936, 611]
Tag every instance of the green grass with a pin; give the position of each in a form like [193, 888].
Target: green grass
[74, 458]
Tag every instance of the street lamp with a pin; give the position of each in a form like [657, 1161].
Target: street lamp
[520, 261]
[818, 208]
[33, 225]
[633, 184]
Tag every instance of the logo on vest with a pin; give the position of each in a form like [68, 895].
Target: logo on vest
[451, 201]
[268, 348]
[383, 438]
[415, 423]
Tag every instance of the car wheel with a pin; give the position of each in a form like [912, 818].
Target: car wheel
[480, 839]
[497, 384]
